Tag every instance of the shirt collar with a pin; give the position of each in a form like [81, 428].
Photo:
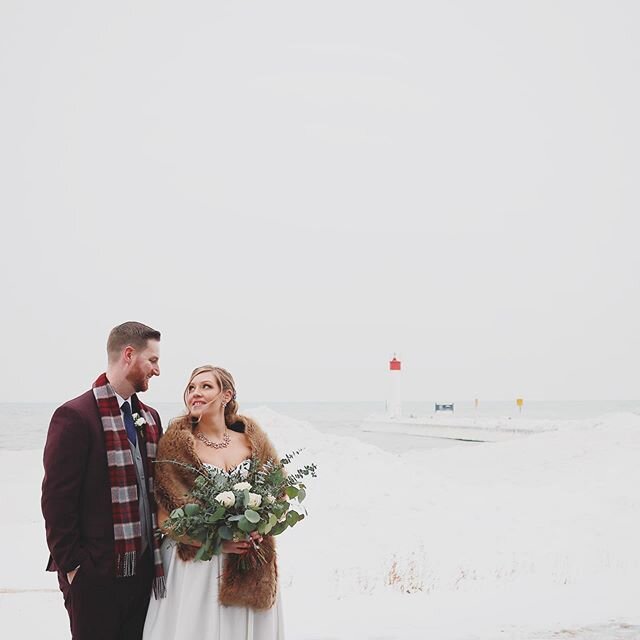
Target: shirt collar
[121, 400]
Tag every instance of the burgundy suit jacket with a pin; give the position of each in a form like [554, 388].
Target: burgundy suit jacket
[76, 494]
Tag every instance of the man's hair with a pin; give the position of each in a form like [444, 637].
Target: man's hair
[134, 334]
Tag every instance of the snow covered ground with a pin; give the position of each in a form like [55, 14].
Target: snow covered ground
[533, 538]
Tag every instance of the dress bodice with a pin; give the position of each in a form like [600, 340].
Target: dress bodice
[241, 468]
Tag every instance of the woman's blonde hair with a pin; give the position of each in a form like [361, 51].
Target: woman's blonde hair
[226, 383]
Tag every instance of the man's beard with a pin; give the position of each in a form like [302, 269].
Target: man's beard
[138, 380]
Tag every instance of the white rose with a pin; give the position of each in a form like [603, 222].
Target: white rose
[255, 501]
[226, 498]
[270, 499]
[241, 486]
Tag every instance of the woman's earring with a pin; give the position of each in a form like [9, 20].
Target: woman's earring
[224, 404]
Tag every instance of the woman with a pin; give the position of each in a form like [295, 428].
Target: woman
[212, 599]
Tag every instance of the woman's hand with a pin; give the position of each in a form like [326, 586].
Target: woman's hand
[242, 546]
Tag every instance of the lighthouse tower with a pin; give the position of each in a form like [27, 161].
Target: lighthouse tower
[394, 408]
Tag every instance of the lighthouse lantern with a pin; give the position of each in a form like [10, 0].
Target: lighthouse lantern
[394, 408]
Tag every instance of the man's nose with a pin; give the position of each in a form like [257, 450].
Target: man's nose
[156, 370]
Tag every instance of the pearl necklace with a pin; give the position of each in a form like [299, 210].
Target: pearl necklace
[216, 445]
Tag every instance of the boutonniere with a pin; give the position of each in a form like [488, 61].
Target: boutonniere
[139, 422]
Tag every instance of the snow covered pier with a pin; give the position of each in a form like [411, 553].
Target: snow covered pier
[462, 429]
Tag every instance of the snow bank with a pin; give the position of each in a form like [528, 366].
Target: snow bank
[557, 506]
[417, 537]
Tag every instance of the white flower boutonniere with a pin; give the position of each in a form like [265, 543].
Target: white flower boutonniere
[139, 422]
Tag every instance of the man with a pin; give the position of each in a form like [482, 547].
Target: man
[97, 493]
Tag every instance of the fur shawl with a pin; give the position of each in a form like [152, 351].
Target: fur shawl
[255, 589]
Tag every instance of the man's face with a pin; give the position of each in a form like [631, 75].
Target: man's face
[144, 365]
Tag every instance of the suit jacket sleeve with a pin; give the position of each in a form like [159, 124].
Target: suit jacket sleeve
[156, 417]
[65, 461]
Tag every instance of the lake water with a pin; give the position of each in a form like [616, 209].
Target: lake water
[24, 426]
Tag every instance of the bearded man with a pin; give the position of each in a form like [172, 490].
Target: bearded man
[97, 493]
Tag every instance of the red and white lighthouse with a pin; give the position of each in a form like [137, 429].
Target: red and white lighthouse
[394, 407]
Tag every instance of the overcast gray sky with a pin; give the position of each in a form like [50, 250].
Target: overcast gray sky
[296, 190]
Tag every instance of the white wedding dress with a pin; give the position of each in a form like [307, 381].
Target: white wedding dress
[191, 609]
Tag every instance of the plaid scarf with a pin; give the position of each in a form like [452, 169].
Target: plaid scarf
[124, 487]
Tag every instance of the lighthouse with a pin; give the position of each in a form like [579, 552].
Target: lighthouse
[394, 408]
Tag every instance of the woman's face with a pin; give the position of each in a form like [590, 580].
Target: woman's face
[203, 393]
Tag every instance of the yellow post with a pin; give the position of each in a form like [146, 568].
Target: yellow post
[519, 402]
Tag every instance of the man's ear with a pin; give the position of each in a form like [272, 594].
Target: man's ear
[127, 354]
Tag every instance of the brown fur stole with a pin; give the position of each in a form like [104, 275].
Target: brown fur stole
[255, 589]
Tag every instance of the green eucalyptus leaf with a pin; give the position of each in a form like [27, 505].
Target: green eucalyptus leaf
[218, 514]
[204, 550]
[263, 528]
[292, 492]
[246, 526]
[225, 533]
[198, 533]
[191, 509]
[279, 528]
[292, 518]
[252, 516]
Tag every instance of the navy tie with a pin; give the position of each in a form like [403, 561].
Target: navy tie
[128, 422]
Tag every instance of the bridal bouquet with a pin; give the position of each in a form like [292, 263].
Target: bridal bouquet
[262, 498]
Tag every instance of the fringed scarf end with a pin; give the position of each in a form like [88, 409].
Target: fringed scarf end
[126, 564]
[159, 587]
